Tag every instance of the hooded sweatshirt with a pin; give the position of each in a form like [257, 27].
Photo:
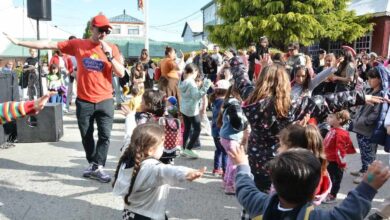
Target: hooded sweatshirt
[368, 117]
[191, 96]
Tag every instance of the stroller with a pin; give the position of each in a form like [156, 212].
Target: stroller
[173, 138]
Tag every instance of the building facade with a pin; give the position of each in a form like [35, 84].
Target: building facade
[125, 26]
[193, 31]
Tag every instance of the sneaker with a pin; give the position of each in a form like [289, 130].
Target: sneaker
[230, 191]
[356, 173]
[182, 153]
[330, 199]
[358, 179]
[190, 154]
[87, 172]
[217, 172]
[100, 176]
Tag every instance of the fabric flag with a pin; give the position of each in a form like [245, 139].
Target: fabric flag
[140, 5]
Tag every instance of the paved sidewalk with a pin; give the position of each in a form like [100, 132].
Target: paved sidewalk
[43, 181]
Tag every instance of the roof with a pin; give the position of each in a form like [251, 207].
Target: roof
[124, 18]
[12, 50]
[133, 47]
[375, 7]
[207, 5]
[195, 26]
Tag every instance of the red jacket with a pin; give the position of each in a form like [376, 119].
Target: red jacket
[56, 60]
[337, 144]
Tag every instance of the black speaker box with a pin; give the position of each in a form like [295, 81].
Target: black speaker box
[39, 9]
[2, 136]
[47, 126]
[9, 90]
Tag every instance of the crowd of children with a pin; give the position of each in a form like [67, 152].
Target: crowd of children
[277, 165]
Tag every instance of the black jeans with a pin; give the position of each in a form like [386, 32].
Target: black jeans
[194, 123]
[336, 175]
[86, 113]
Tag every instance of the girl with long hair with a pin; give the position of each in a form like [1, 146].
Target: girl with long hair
[269, 108]
[142, 179]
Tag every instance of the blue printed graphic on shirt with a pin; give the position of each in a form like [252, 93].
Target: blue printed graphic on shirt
[93, 64]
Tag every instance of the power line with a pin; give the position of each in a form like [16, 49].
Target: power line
[181, 19]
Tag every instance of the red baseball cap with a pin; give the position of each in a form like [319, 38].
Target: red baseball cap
[100, 21]
[349, 49]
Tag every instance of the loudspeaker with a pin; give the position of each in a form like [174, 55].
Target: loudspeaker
[2, 136]
[9, 90]
[39, 9]
[47, 126]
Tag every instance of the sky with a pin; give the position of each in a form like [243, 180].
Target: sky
[72, 15]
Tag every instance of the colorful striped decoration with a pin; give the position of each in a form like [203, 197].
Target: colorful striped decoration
[11, 110]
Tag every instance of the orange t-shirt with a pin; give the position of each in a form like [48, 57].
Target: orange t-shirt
[94, 71]
[168, 68]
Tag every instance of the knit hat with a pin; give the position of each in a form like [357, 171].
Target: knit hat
[172, 100]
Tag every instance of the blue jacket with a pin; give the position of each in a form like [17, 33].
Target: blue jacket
[191, 96]
[356, 206]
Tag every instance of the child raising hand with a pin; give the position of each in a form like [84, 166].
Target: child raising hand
[142, 180]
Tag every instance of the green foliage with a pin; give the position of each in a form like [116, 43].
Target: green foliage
[304, 21]
[87, 32]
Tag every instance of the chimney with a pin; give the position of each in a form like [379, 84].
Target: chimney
[124, 11]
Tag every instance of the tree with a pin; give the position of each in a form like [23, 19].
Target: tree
[87, 32]
[285, 21]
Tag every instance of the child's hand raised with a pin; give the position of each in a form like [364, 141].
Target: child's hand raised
[377, 175]
[125, 110]
[195, 174]
[238, 155]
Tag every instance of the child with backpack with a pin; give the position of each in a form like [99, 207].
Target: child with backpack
[217, 99]
[295, 175]
[172, 128]
[233, 123]
[142, 108]
[142, 180]
[337, 144]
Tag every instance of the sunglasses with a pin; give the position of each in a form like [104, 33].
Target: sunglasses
[104, 30]
[290, 49]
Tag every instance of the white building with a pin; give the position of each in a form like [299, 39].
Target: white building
[210, 17]
[193, 31]
[16, 23]
[125, 26]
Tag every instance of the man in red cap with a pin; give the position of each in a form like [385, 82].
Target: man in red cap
[96, 61]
